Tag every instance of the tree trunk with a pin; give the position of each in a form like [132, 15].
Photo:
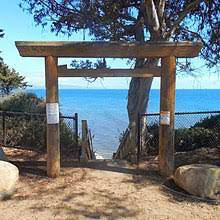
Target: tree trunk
[138, 94]
[138, 97]
[139, 89]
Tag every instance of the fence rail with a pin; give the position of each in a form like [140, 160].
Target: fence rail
[28, 130]
[192, 130]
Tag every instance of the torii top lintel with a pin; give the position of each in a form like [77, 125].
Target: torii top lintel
[110, 49]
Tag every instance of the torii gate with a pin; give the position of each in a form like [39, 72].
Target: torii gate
[168, 51]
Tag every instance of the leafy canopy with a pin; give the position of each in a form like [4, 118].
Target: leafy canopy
[10, 80]
[134, 20]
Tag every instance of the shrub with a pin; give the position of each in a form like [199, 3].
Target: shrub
[30, 131]
[212, 122]
[23, 102]
[187, 139]
[67, 137]
[10, 80]
[205, 133]
[26, 131]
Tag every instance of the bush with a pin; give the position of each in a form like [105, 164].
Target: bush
[26, 131]
[187, 139]
[68, 139]
[23, 102]
[212, 122]
[30, 130]
[205, 133]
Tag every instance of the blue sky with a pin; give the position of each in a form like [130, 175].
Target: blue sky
[19, 26]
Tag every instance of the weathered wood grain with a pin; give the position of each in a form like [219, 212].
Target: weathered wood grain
[167, 104]
[110, 49]
[63, 71]
[53, 132]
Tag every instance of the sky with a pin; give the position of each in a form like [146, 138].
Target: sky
[19, 26]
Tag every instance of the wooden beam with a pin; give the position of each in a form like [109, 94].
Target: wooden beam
[110, 49]
[63, 71]
[84, 146]
[167, 109]
[53, 132]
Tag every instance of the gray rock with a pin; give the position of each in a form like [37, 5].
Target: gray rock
[9, 175]
[2, 155]
[202, 180]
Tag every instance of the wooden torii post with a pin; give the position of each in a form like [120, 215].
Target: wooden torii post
[167, 51]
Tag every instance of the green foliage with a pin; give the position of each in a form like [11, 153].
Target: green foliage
[212, 122]
[67, 137]
[10, 80]
[205, 133]
[26, 132]
[30, 130]
[193, 138]
[87, 64]
[23, 102]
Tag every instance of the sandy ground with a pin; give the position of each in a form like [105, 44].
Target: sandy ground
[98, 190]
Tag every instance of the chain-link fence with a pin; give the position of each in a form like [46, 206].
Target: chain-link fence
[28, 131]
[193, 130]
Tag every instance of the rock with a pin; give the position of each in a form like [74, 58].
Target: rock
[2, 155]
[9, 175]
[202, 180]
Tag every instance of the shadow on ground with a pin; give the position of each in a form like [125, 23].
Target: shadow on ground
[67, 195]
[32, 167]
[39, 167]
[96, 205]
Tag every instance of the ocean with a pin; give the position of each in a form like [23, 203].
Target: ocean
[106, 110]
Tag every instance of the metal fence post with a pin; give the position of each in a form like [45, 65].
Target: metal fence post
[76, 135]
[4, 129]
[139, 138]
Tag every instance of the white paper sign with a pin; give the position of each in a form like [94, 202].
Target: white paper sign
[165, 118]
[52, 113]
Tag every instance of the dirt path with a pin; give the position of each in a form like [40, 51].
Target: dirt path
[98, 190]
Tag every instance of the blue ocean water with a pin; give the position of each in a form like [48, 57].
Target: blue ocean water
[106, 111]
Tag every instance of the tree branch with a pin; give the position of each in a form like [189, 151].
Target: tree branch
[161, 7]
[196, 34]
[181, 17]
[152, 17]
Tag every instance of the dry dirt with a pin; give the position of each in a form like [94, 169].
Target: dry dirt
[97, 190]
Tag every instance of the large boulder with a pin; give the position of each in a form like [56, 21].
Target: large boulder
[2, 155]
[9, 175]
[202, 180]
